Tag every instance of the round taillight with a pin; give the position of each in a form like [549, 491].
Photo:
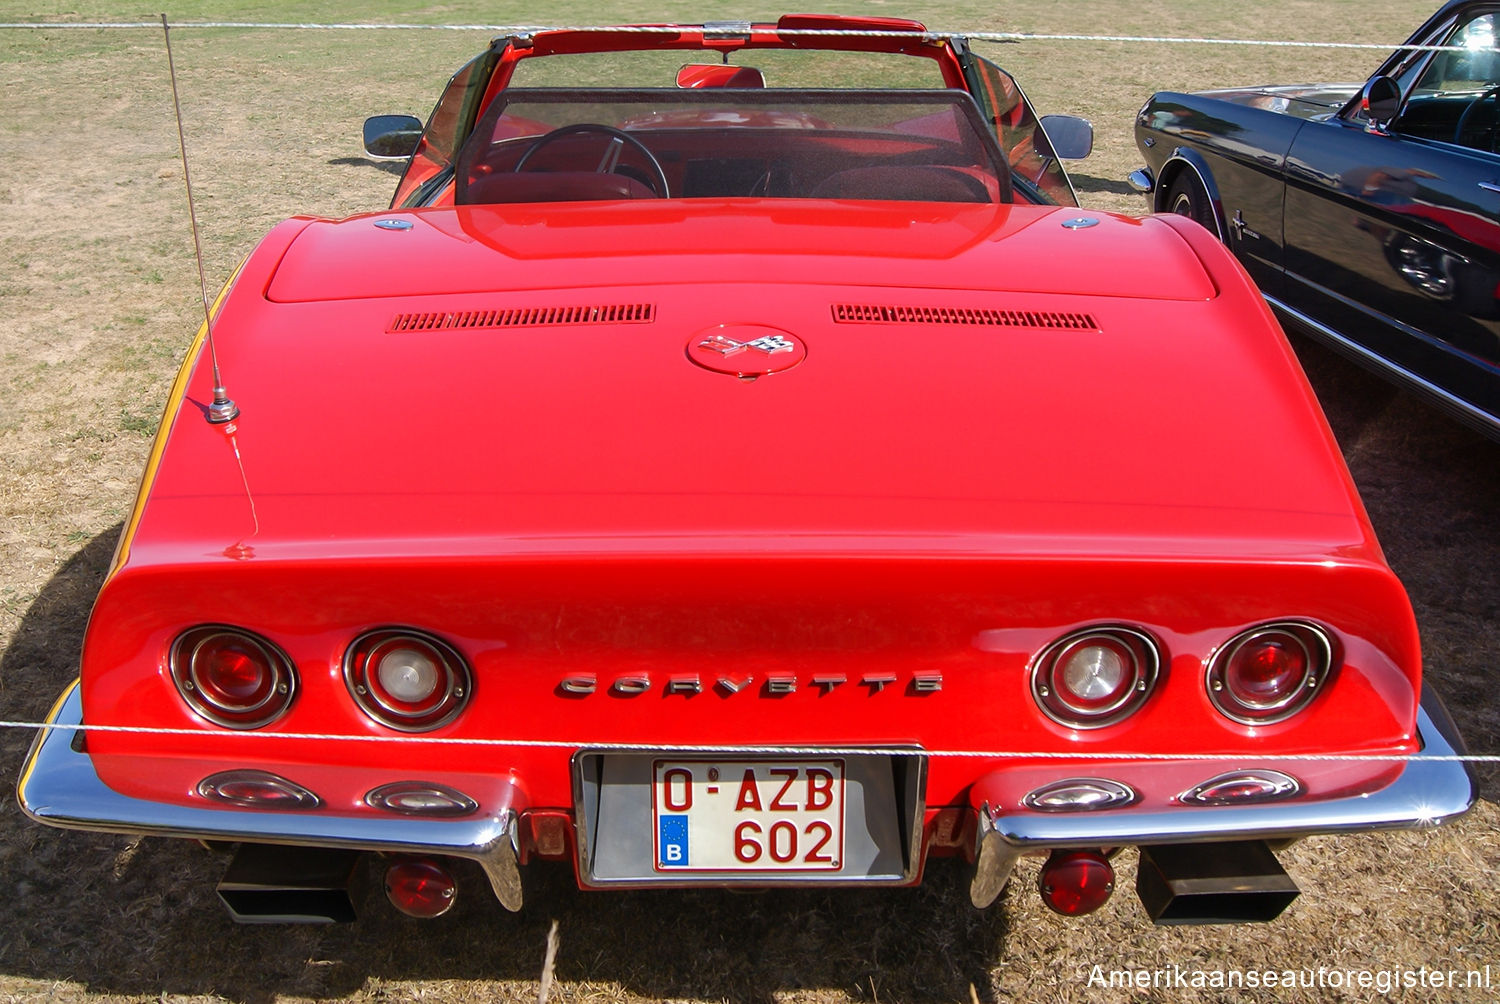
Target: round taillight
[1269, 673]
[1073, 883]
[257, 789]
[421, 798]
[1095, 677]
[231, 677]
[420, 888]
[407, 680]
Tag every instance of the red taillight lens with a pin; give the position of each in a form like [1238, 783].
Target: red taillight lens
[1095, 677]
[1076, 882]
[420, 888]
[407, 680]
[1269, 673]
[232, 677]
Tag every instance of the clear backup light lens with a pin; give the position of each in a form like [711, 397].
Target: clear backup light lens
[1080, 794]
[1270, 672]
[1095, 677]
[232, 677]
[407, 680]
[421, 798]
[257, 789]
[1241, 786]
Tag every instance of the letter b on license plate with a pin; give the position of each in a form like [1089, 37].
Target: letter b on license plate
[748, 816]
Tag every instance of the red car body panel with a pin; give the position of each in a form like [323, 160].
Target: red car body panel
[565, 499]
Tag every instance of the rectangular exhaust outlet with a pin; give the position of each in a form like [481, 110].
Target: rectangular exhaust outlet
[1234, 882]
[289, 885]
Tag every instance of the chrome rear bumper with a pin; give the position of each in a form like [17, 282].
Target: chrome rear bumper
[1426, 792]
[60, 787]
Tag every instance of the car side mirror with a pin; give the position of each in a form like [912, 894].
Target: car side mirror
[391, 137]
[1379, 102]
[1066, 137]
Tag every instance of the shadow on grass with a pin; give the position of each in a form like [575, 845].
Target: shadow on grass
[1089, 183]
[139, 917]
[394, 168]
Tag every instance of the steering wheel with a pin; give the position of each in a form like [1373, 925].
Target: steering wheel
[1463, 120]
[610, 162]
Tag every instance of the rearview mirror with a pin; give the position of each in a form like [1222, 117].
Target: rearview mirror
[719, 75]
[1066, 137]
[391, 137]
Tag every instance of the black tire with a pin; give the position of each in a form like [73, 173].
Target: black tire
[1187, 198]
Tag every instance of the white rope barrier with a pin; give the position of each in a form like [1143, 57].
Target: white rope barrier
[517, 29]
[772, 750]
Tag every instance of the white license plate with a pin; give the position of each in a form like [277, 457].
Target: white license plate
[748, 815]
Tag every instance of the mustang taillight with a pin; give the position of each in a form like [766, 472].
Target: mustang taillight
[407, 680]
[1095, 677]
[232, 677]
[1270, 672]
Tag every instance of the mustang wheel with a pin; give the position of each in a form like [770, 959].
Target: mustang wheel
[1187, 198]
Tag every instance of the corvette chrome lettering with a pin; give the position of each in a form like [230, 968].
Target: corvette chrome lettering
[777, 685]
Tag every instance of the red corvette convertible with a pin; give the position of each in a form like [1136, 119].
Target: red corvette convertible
[706, 475]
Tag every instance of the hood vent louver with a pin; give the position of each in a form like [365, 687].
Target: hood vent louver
[524, 317]
[869, 313]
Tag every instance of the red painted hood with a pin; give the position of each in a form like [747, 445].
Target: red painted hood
[1173, 419]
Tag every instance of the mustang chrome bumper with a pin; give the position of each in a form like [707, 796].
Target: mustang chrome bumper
[60, 787]
[1425, 792]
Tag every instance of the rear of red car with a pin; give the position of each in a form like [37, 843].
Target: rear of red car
[868, 533]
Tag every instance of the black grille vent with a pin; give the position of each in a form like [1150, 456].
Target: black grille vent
[870, 313]
[526, 317]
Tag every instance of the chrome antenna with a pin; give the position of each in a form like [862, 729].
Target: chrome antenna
[223, 409]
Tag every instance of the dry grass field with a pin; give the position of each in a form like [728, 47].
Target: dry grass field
[98, 300]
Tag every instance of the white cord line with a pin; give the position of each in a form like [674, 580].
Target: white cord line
[516, 29]
[777, 750]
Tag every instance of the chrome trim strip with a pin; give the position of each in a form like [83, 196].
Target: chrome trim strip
[1425, 793]
[1407, 379]
[60, 787]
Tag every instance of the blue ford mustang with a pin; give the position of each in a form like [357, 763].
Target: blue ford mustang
[1369, 215]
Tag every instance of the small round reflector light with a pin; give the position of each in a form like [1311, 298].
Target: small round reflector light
[1095, 677]
[407, 680]
[232, 677]
[1239, 787]
[1074, 883]
[257, 789]
[1270, 672]
[419, 887]
[1080, 794]
[421, 798]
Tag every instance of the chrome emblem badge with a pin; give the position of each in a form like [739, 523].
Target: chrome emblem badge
[746, 351]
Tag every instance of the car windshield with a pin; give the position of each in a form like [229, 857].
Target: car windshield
[571, 144]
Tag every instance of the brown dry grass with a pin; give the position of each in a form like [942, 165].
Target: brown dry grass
[98, 291]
